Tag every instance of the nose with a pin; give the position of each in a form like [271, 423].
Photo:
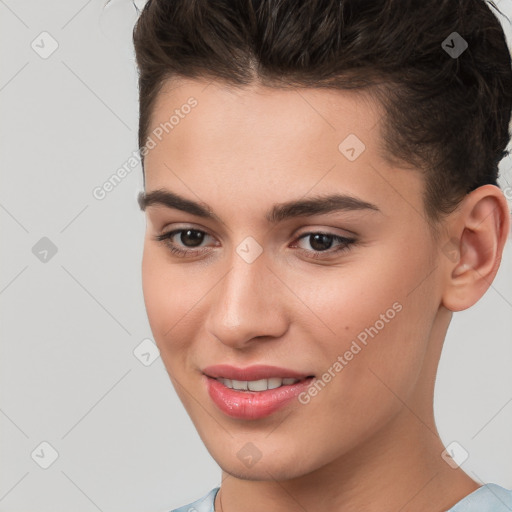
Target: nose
[247, 304]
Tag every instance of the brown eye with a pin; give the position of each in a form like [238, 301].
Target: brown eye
[186, 242]
[321, 244]
[191, 237]
[320, 241]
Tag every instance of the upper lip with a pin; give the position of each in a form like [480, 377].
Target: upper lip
[255, 372]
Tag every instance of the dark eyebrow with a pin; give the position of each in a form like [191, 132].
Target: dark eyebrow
[296, 208]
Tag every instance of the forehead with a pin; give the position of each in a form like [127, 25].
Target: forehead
[260, 143]
[260, 112]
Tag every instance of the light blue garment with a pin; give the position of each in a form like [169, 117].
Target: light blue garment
[488, 498]
[204, 504]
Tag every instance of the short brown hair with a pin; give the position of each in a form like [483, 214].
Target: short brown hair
[448, 116]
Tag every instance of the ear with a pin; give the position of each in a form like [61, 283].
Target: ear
[472, 252]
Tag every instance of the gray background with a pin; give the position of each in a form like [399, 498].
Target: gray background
[71, 324]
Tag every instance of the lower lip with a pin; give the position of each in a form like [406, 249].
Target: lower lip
[252, 405]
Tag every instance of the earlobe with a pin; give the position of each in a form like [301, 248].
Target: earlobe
[478, 235]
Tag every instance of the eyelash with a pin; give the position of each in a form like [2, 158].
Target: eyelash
[345, 243]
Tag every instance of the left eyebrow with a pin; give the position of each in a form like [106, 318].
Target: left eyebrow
[281, 211]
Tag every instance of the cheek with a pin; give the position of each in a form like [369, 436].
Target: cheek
[163, 296]
[153, 287]
[379, 316]
[174, 301]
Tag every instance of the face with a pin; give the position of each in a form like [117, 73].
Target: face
[341, 290]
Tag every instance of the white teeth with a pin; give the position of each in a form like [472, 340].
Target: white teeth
[257, 385]
[274, 383]
[239, 384]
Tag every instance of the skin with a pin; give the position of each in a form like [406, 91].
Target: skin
[368, 440]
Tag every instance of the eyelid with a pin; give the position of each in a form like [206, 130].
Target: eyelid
[171, 233]
[327, 230]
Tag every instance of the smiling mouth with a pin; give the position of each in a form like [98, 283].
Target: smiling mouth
[254, 399]
[259, 385]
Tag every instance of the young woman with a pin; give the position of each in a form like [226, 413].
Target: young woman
[320, 190]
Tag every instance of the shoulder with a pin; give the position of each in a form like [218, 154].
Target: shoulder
[488, 498]
[204, 504]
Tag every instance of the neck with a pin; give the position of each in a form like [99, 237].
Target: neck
[388, 473]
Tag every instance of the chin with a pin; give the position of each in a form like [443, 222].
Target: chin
[261, 459]
[278, 470]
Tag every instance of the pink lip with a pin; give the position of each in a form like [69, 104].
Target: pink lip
[252, 405]
[255, 372]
